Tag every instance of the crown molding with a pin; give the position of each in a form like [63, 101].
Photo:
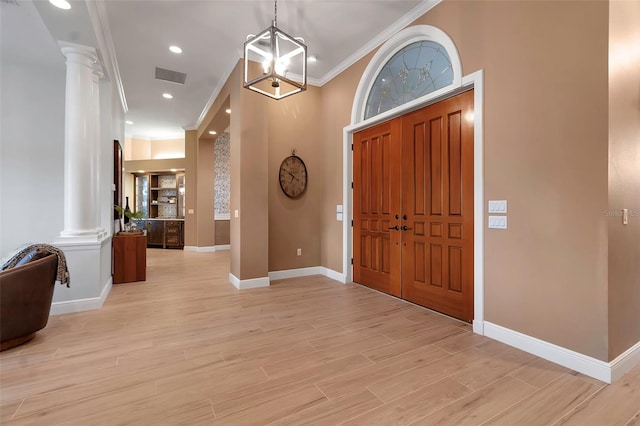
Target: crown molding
[217, 90]
[100, 22]
[414, 14]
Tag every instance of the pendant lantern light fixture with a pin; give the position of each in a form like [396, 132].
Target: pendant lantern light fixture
[275, 64]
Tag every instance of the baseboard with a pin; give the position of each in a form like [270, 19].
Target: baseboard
[250, 283]
[79, 305]
[566, 357]
[304, 272]
[625, 362]
[334, 275]
[197, 249]
[222, 247]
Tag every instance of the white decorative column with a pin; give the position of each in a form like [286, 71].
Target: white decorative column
[87, 247]
[82, 139]
[97, 75]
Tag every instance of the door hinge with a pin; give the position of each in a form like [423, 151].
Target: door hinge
[351, 185]
[351, 147]
[352, 260]
[351, 223]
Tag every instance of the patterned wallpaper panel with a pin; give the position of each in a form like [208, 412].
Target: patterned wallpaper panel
[168, 212]
[167, 181]
[222, 173]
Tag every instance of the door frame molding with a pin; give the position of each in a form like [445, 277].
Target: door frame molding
[473, 81]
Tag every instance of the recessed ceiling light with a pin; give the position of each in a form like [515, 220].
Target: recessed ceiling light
[62, 4]
[129, 122]
[140, 171]
[174, 170]
[228, 110]
[175, 49]
[167, 95]
[313, 58]
[213, 132]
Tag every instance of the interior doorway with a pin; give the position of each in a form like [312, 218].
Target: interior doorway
[413, 206]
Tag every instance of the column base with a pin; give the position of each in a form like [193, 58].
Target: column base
[89, 264]
[81, 236]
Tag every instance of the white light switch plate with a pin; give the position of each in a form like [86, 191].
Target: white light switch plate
[339, 217]
[497, 206]
[235, 213]
[339, 208]
[497, 222]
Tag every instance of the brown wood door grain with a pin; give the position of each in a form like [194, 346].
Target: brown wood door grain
[376, 207]
[437, 198]
[416, 172]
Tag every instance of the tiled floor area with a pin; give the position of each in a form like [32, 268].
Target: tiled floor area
[185, 347]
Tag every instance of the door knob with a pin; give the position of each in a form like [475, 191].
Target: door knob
[405, 228]
[395, 228]
[404, 217]
[397, 217]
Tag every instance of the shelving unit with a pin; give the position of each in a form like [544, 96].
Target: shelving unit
[161, 197]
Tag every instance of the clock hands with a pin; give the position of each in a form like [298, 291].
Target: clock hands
[293, 177]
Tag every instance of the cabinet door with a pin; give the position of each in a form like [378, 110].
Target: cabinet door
[155, 233]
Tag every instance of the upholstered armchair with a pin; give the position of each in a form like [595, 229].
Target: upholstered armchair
[26, 291]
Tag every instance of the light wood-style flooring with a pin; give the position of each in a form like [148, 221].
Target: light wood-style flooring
[186, 347]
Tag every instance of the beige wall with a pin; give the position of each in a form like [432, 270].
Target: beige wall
[222, 235]
[624, 175]
[154, 165]
[205, 221]
[191, 189]
[545, 134]
[251, 110]
[145, 149]
[337, 101]
[545, 150]
[294, 124]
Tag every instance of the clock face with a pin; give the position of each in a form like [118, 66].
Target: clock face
[293, 176]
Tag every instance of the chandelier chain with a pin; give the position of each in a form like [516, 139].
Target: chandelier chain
[275, 13]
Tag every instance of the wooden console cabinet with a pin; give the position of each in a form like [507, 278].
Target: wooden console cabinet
[129, 258]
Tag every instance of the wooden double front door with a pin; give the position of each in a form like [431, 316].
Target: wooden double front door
[413, 207]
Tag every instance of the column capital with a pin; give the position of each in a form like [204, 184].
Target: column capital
[72, 50]
[98, 72]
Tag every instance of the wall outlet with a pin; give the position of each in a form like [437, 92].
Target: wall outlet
[299, 252]
[235, 213]
[191, 211]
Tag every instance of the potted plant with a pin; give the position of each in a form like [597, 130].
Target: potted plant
[123, 212]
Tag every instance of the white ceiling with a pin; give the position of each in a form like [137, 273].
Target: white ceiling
[211, 34]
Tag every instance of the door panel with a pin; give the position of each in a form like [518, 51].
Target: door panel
[416, 172]
[440, 140]
[376, 202]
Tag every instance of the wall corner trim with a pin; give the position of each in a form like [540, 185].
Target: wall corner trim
[305, 272]
[625, 362]
[250, 283]
[601, 370]
[79, 305]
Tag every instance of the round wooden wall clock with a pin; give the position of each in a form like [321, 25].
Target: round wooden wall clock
[293, 176]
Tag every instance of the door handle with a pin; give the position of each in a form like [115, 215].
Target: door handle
[395, 228]
[405, 228]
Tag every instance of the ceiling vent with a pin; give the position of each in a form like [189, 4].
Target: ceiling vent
[172, 76]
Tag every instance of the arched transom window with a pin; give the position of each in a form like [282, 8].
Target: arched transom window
[414, 71]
